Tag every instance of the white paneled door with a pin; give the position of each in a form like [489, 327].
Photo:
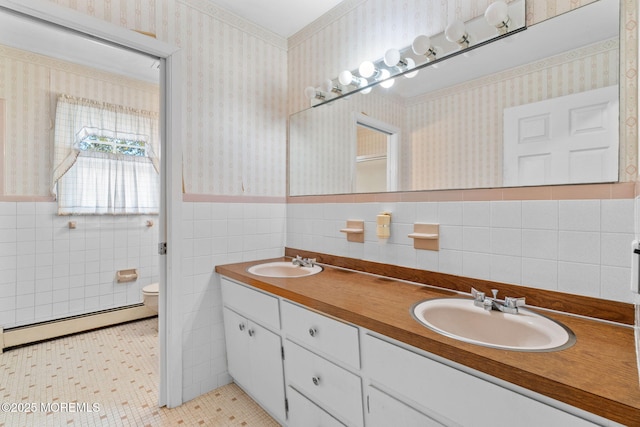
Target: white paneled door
[568, 139]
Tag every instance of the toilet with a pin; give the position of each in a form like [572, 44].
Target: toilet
[150, 296]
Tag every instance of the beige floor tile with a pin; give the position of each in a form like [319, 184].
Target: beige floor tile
[107, 377]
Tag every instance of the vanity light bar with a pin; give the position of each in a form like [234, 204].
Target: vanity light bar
[500, 19]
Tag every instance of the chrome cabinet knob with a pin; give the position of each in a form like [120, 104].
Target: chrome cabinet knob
[241, 326]
[313, 332]
[251, 332]
[316, 380]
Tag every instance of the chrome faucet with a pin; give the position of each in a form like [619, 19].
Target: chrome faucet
[304, 262]
[508, 305]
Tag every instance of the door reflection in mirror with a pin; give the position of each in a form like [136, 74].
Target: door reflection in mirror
[376, 155]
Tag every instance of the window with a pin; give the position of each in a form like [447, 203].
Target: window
[106, 169]
[107, 144]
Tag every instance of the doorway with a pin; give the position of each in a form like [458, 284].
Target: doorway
[167, 57]
[376, 161]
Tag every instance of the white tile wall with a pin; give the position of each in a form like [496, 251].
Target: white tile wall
[218, 233]
[48, 271]
[575, 246]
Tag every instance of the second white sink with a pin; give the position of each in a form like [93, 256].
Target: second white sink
[459, 318]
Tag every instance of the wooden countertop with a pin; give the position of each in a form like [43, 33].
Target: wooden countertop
[597, 374]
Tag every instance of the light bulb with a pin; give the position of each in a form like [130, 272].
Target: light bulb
[311, 93]
[497, 14]
[346, 78]
[422, 46]
[392, 58]
[386, 81]
[367, 69]
[363, 84]
[329, 87]
[411, 64]
[456, 33]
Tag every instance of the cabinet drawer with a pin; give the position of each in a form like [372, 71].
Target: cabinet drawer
[321, 333]
[255, 305]
[332, 387]
[447, 392]
[303, 412]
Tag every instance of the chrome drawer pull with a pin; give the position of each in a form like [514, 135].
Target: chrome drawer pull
[313, 332]
[316, 380]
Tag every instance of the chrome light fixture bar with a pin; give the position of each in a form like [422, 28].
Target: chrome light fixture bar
[500, 20]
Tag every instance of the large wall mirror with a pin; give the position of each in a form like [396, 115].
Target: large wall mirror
[540, 107]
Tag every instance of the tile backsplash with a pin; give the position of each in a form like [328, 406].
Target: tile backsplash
[574, 246]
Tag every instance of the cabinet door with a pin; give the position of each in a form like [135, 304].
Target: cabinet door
[303, 412]
[267, 376]
[237, 340]
[385, 411]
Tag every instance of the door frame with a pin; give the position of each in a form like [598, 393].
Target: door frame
[170, 324]
[393, 147]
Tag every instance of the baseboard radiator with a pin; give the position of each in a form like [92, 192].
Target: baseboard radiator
[22, 335]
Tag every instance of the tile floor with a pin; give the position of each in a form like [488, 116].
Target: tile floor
[107, 377]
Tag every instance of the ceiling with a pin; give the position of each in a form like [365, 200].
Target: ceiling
[283, 17]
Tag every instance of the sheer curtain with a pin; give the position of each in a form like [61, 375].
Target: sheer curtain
[88, 182]
[100, 183]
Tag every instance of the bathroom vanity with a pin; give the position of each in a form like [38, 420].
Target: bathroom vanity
[341, 348]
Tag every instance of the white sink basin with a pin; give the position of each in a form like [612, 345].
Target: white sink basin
[459, 318]
[283, 269]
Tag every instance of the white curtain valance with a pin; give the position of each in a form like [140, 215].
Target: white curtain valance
[75, 116]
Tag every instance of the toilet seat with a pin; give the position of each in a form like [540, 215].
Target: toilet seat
[152, 289]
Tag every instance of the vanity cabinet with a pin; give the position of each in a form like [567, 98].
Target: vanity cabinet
[338, 374]
[449, 395]
[254, 353]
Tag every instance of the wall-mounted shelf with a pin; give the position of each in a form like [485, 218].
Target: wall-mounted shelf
[426, 236]
[354, 231]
